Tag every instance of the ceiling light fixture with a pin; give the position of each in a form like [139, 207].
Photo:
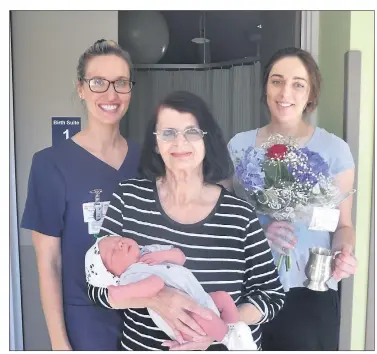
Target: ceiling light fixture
[202, 31]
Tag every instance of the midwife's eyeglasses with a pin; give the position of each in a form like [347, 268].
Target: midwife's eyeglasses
[100, 85]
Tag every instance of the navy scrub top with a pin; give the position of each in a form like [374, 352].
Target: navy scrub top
[62, 179]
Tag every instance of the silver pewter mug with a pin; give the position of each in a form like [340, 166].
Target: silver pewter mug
[319, 268]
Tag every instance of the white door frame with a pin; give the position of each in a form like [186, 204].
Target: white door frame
[15, 310]
[370, 320]
[309, 42]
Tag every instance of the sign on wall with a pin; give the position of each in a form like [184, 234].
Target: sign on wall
[64, 128]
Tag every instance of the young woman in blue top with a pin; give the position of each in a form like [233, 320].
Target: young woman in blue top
[69, 186]
[309, 320]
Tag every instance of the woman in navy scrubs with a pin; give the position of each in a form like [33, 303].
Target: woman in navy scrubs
[69, 187]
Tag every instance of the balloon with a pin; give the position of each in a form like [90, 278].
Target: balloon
[144, 34]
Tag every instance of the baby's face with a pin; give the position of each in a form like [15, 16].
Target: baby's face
[118, 253]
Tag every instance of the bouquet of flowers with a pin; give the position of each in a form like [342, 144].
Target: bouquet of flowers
[289, 183]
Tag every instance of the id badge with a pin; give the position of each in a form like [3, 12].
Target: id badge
[324, 219]
[94, 227]
[94, 211]
[94, 214]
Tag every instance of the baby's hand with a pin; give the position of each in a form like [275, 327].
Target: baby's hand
[154, 258]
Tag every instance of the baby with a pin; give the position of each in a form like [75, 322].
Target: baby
[127, 270]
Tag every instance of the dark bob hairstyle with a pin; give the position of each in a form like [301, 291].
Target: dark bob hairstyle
[217, 164]
[311, 67]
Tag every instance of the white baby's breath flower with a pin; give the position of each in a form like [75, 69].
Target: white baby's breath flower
[316, 189]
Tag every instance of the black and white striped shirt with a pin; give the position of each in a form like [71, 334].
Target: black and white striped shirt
[226, 251]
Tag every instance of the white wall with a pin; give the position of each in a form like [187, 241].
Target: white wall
[46, 48]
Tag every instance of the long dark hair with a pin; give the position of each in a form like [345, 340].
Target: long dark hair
[217, 164]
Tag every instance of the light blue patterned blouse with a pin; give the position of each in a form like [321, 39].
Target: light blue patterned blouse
[337, 154]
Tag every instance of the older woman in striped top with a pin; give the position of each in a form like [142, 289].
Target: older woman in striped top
[179, 202]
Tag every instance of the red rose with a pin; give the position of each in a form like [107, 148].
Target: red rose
[277, 151]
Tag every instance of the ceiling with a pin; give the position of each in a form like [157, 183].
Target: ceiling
[230, 34]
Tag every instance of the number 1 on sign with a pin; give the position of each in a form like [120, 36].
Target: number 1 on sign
[66, 133]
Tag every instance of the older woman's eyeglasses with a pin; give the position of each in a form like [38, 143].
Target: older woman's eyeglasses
[100, 85]
[170, 134]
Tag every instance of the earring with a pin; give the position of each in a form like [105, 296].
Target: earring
[157, 150]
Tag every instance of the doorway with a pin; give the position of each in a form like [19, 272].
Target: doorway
[62, 29]
[219, 55]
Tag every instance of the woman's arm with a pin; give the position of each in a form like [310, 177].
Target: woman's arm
[171, 304]
[264, 295]
[48, 254]
[44, 216]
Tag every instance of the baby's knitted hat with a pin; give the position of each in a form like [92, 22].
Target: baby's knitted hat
[95, 271]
